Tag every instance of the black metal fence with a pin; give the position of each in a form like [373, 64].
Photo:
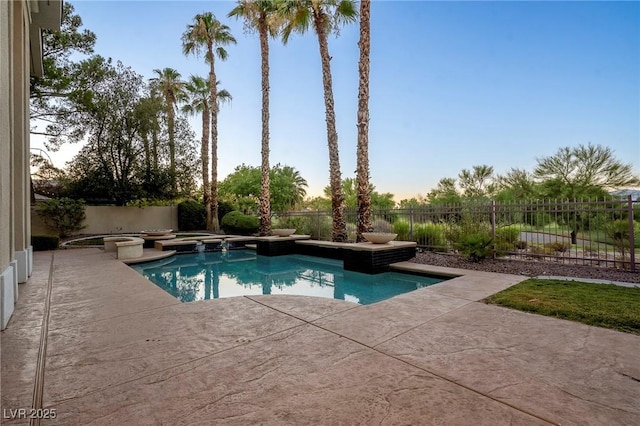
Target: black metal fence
[587, 232]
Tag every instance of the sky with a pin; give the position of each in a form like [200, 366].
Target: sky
[452, 85]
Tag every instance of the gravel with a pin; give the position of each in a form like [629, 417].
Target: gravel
[528, 268]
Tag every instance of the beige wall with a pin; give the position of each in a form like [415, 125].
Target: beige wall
[6, 233]
[21, 22]
[114, 220]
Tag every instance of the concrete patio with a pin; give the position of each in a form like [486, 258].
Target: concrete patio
[115, 350]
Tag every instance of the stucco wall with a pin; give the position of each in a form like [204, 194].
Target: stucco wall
[6, 239]
[114, 220]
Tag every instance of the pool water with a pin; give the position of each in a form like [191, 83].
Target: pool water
[201, 276]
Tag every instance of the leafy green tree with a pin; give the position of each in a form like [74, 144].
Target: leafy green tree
[350, 191]
[445, 192]
[64, 215]
[66, 85]
[583, 171]
[211, 36]
[262, 16]
[111, 166]
[477, 182]
[243, 187]
[325, 16]
[516, 184]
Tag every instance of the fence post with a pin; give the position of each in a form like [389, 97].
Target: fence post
[632, 242]
[493, 226]
[410, 223]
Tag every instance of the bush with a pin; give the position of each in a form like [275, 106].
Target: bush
[381, 225]
[456, 232]
[317, 226]
[558, 246]
[429, 234]
[45, 242]
[63, 215]
[401, 227]
[191, 216]
[476, 246]
[521, 245]
[238, 223]
[508, 234]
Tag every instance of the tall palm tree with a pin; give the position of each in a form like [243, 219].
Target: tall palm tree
[262, 16]
[171, 87]
[198, 92]
[210, 35]
[324, 16]
[362, 169]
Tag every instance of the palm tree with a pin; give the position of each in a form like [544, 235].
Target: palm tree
[362, 168]
[209, 35]
[198, 92]
[324, 16]
[170, 85]
[261, 16]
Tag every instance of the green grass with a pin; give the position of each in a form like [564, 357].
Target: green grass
[602, 305]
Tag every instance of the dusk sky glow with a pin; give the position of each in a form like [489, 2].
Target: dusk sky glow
[453, 84]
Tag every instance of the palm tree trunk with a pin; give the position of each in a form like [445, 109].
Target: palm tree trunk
[265, 194]
[147, 153]
[215, 223]
[206, 188]
[362, 169]
[154, 146]
[339, 231]
[172, 147]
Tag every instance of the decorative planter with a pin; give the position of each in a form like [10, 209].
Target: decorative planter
[379, 237]
[283, 232]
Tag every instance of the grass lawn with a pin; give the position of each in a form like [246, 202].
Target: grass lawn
[602, 305]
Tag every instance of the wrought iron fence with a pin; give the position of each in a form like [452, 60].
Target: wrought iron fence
[586, 232]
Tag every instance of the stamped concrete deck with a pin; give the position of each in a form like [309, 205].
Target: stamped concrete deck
[118, 350]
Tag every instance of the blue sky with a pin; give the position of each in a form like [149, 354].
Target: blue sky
[453, 84]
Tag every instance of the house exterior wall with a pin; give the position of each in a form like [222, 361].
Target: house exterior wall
[18, 19]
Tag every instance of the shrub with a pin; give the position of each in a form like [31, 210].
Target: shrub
[521, 245]
[351, 231]
[63, 215]
[508, 234]
[45, 242]
[381, 225]
[429, 234]
[618, 231]
[238, 223]
[456, 232]
[402, 227]
[191, 216]
[558, 246]
[476, 246]
[317, 226]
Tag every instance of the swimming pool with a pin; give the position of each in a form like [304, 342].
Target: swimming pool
[201, 276]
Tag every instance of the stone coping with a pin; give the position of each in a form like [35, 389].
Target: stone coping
[359, 246]
[158, 237]
[175, 242]
[149, 255]
[211, 241]
[294, 237]
[112, 243]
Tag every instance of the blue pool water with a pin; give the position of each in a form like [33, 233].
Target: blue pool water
[191, 277]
